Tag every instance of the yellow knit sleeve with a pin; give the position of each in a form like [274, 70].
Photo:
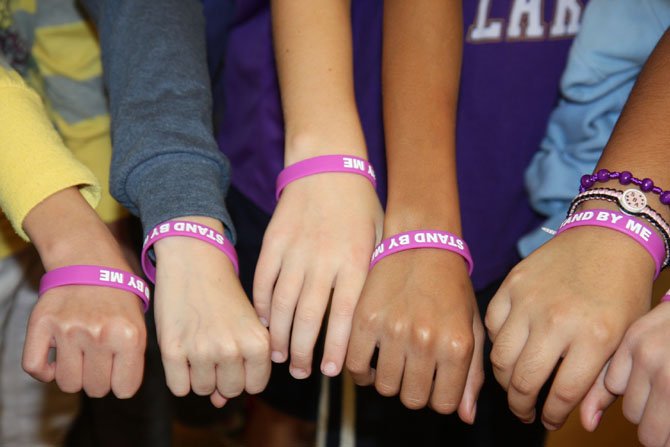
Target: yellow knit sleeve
[34, 162]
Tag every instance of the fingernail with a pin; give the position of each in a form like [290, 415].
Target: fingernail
[299, 373]
[596, 419]
[277, 357]
[329, 369]
[550, 427]
[264, 322]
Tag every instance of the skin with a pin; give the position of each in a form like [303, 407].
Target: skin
[567, 307]
[418, 307]
[210, 338]
[640, 369]
[322, 233]
[98, 333]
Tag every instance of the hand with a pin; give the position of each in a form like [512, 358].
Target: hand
[98, 333]
[320, 238]
[419, 309]
[99, 336]
[566, 306]
[210, 338]
[639, 371]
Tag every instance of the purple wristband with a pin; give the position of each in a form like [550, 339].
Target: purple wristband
[185, 229]
[411, 240]
[622, 223]
[95, 275]
[325, 163]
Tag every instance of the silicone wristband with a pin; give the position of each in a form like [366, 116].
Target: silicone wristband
[325, 163]
[185, 229]
[411, 240]
[95, 275]
[622, 223]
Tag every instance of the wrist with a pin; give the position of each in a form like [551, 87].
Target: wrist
[66, 231]
[303, 145]
[420, 218]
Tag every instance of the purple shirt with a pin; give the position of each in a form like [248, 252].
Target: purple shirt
[513, 58]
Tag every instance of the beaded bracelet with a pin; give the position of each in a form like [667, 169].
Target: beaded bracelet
[625, 178]
[632, 202]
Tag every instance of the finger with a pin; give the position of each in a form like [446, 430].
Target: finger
[69, 366]
[390, 366]
[265, 277]
[498, 311]
[362, 347]
[636, 395]
[507, 347]
[127, 372]
[217, 399]
[203, 375]
[467, 408]
[307, 324]
[533, 368]
[417, 380]
[35, 361]
[577, 373]
[621, 366]
[348, 287]
[97, 372]
[230, 378]
[597, 400]
[654, 428]
[177, 375]
[257, 365]
[284, 300]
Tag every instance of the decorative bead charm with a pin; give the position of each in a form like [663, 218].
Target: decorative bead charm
[665, 198]
[633, 201]
[603, 175]
[647, 185]
[625, 178]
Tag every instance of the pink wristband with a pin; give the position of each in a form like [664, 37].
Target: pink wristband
[623, 223]
[185, 229]
[95, 275]
[325, 163]
[411, 240]
[666, 297]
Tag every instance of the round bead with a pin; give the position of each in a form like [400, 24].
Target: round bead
[603, 175]
[665, 198]
[625, 178]
[647, 185]
[586, 181]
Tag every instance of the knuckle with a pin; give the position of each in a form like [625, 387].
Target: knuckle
[460, 347]
[309, 316]
[228, 353]
[413, 402]
[344, 309]
[386, 389]
[499, 360]
[443, 407]
[282, 305]
[646, 355]
[172, 352]
[396, 328]
[522, 386]
[368, 321]
[423, 338]
[601, 332]
[566, 394]
[356, 367]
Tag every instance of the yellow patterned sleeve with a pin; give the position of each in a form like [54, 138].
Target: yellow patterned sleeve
[34, 162]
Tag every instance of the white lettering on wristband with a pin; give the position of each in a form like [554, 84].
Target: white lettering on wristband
[603, 216]
[117, 277]
[356, 163]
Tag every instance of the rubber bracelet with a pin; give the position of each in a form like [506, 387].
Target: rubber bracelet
[185, 229]
[411, 240]
[325, 163]
[622, 223]
[95, 275]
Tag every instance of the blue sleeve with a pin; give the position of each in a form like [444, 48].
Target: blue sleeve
[615, 39]
[166, 162]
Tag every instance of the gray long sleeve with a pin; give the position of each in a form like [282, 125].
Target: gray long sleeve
[166, 162]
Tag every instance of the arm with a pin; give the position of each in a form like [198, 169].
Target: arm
[425, 331]
[316, 241]
[43, 191]
[640, 366]
[166, 165]
[573, 299]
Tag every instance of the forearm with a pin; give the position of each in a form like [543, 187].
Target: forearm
[641, 137]
[66, 231]
[420, 74]
[313, 48]
[166, 163]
